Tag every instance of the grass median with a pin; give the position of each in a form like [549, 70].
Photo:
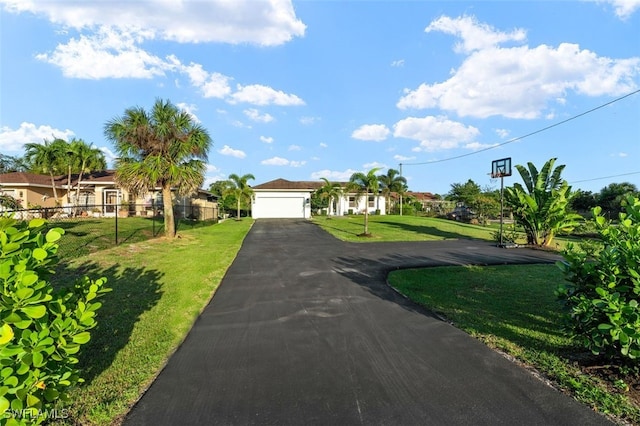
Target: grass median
[514, 309]
[159, 289]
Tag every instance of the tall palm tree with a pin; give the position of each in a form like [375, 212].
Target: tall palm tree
[365, 183]
[240, 188]
[163, 147]
[330, 190]
[45, 158]
[391, 182]
[87, 159]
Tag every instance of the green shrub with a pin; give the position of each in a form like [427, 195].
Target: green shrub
[604, 288]
[41, 330]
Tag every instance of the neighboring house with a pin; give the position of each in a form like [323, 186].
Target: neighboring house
[281, 199]
[99, 193]
[31, 189]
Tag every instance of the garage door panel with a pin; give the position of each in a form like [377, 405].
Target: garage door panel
[281, 207]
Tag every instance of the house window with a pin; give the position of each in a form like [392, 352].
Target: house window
[352, 201]
[371, 201]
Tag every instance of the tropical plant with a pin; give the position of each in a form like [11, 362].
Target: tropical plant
[542, 206]
[330, 191]
[162, 148]
[240, 188]
[604, 287]
[86, 159]
[363, 183]
[390, 182]
[45, 158]
[41, 330]
[12, 164]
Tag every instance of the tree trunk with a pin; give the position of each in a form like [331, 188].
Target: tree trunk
[366, 214]
[79, 179]
[238, 217]
[69, 185]
[169, 221]
[53, 186]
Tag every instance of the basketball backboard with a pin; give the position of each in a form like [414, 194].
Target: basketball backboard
[501, 167]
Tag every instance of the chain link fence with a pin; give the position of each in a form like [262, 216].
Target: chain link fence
[91, 228]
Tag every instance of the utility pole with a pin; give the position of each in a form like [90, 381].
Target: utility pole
[401, 189]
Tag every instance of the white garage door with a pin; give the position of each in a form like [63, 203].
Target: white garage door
[281, 208]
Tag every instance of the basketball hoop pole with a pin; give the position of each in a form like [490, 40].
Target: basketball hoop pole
[501, 207]
[401, 191]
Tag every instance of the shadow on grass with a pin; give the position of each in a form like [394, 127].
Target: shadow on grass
[424, 229]
[134, 291]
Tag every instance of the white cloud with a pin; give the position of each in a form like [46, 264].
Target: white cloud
[398, 63]
[518, 82]
[371, 132]
[108, 155]
[307, 121]
[375, 164]
[475, 146]
[624, 8]
[110, 53]
[227, 150]
[474, 35]
[13, 140]
[211, 84]
[435, 133]
[279, 161]
[266, 139]
[620, 154]
[398, 157]
[503, 133]
[189, 109]
[295, 147]
[266, 23]
[258, 94]
[333, 175]
[323, 145]
[255, 115]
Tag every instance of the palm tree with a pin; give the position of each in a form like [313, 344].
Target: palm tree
[330, 190]
[164, 148]
[391, 182]
[365, 183]
[45, 158]
[240, 188]
[87, 159]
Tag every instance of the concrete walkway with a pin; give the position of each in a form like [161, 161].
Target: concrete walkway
[304, 331]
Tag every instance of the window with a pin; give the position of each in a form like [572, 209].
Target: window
[352, 201]
[371, 201]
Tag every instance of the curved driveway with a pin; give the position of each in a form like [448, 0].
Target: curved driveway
[304, 331]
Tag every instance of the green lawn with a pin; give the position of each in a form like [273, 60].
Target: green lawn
[401, 228]
[514, 309]
[159, 289]
[418, 228]
[90, 235]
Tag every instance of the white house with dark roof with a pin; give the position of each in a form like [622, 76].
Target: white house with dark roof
[284, 199]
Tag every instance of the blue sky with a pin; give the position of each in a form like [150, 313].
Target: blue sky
[309, 89]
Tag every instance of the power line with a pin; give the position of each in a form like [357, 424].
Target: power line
[527, 135]
[604, 177]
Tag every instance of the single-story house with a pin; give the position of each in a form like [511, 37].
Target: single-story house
[281, 199]
[99, 193]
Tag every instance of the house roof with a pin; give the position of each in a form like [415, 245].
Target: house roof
[288, 184]
[32, 179]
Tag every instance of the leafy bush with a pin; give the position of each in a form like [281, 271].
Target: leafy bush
[41, 330]
[604, 288]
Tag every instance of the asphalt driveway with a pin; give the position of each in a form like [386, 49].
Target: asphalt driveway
[304, 331]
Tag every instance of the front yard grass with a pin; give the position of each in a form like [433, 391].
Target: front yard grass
[401, 228]
[159, 289]
[514, 309]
